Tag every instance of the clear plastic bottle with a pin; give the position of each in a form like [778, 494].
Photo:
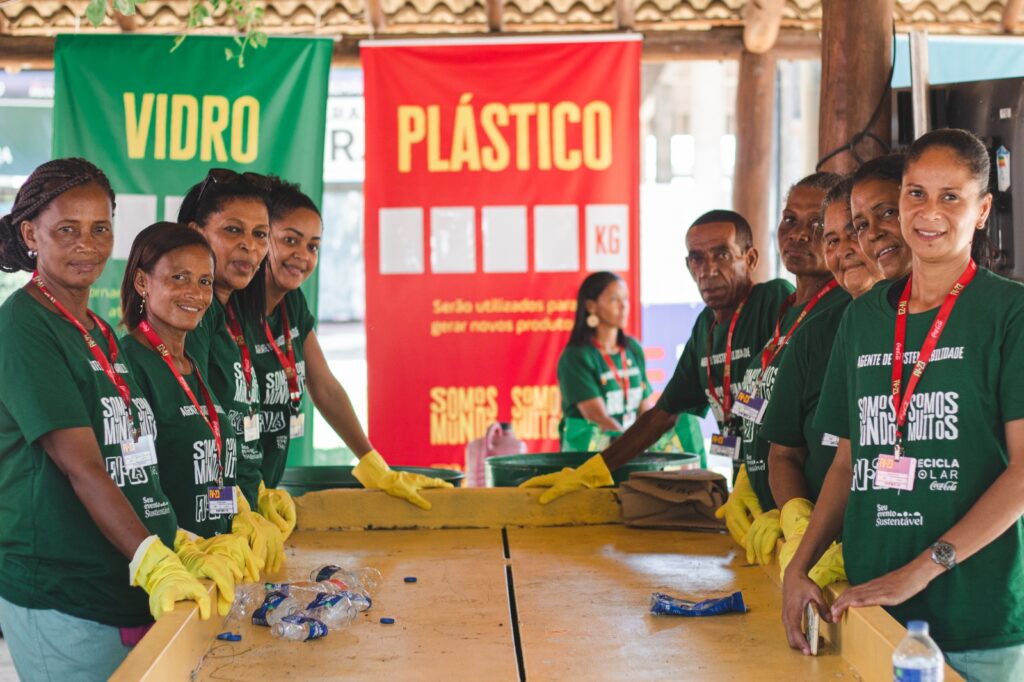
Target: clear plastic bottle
[276, 606]
[333, 610]
[366, 580]
[299, 628]
[917, 658]
[308, 591]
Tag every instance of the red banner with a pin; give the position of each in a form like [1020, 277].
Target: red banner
[498, 174]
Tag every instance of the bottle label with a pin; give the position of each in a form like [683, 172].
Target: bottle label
[324, 599]
[915, 674]
[326, 572]
[316, 628]
[270, 602]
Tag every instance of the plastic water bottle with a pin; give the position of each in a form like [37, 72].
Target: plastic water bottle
[276, 606]
[366, 580]
[917, 658]
[299, 628]
[333, 610]
[307, 591]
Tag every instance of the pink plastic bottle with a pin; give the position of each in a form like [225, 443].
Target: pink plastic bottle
[498, 440]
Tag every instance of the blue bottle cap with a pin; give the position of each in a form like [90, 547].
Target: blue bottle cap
[410, 579]
[387, 621]
[225, 636]
[235, 638]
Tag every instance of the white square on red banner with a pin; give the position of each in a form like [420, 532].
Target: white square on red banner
[607, 237]
[401, 241]
[505, 239]
[452, 239]
[556, 238]
[134, 213]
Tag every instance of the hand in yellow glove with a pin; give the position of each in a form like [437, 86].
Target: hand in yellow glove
[374, 473]
[796, 515]
[740, 510]
[235, 549]
[223, 572]
[263, 537]
[591, 474]
[158, 571]
[761, 538]
[277, 506]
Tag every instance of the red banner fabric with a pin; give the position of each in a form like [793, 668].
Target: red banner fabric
[498, 174]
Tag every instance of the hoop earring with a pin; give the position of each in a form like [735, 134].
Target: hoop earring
[593, 321]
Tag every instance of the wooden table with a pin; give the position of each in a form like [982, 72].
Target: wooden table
[508, 590]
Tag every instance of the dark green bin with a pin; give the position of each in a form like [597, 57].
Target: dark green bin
[510, 470]
[302, 480]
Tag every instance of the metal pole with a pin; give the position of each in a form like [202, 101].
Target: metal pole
[919, 81]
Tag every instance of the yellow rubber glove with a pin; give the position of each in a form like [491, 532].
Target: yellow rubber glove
[263, 537]
[591, 474]
[374, 473]
[796, 515]
[277, 506]
[222, 571]
[158, 571]
[235, 549]
[764, 532]
[243, 504]
[740, 510]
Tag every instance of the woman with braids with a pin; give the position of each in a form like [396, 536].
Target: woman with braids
[230, 211]
[922, 390]
[290, 364]
[86, 526]
[167, 287]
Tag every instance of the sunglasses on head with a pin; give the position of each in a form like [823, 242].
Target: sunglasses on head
[226, 176]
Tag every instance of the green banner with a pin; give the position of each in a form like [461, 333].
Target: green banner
[156, 121]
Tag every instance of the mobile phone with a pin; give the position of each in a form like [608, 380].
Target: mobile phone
[812, 621]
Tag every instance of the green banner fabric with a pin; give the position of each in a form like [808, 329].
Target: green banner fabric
[156, 121]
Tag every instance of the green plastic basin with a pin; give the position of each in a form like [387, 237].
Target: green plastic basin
[511, 470]
[302, 480]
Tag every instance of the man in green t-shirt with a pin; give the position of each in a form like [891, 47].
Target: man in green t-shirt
[738, 320]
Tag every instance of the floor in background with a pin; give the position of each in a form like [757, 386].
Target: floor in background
[7, 673]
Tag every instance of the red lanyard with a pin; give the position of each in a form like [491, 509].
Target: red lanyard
[902, 404]
[236, 333]
[107, 364]
[622, 381]
[772, 350]
[726, 402]
[287, 358]
[211, 418]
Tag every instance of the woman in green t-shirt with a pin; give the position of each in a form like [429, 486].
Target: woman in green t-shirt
[601, 372]
[922, 391]
[875, 203]
[288, 366]
[229, 209]
[85, 521]
[800, 455]
[166, 289]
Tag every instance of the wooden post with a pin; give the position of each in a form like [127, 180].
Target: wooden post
[495, 16]
[1011, 15]
[856, 54]
[755, 110]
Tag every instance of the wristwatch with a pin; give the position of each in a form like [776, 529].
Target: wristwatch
[944, 554]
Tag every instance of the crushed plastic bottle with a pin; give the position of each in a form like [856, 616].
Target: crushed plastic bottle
[917, 658]
[333, 610]
[299, 628]
[366, 580]
[309, 591]
[248, 598]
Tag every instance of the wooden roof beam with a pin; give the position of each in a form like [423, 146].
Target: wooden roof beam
[625, 14]
[375, 16]
[1011, 15]
[495, 15]
[762, 20]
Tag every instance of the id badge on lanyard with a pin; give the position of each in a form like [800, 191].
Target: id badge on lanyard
[251, 427]
[140, 453]
[222, 501]
[297, 426]
[895, 473]
[725, 445]
[749, 406]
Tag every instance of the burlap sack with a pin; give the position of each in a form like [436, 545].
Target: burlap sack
[684, 500]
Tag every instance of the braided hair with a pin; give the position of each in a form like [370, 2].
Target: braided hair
[46, 183]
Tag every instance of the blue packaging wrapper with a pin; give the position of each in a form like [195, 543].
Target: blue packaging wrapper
[664, 605]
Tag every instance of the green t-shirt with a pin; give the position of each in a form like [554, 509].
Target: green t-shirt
[955, 430]
[755, 445]
[687, 390]
[52, 554]
[220, 362]
[186, 449]
[583, 374]
[277, 407]
[789, 420]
